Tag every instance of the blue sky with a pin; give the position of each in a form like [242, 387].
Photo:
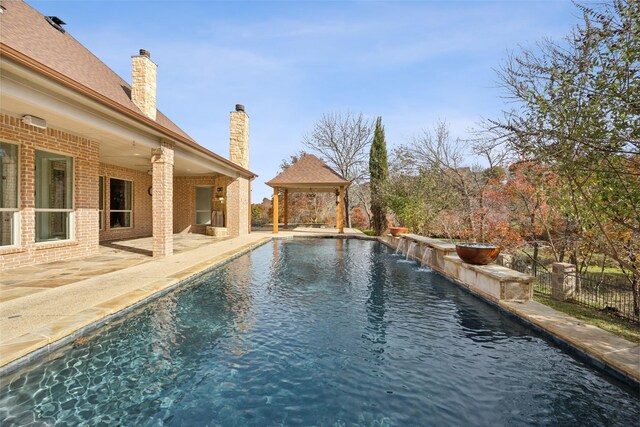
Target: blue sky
[412, 63]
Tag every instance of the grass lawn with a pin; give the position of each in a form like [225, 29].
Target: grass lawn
[607, 270]
[624, 329]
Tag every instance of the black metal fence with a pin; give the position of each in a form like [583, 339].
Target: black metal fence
[609, 293]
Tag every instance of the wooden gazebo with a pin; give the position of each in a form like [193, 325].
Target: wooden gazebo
[308, 175]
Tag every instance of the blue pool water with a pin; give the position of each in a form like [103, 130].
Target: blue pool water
[315, 332]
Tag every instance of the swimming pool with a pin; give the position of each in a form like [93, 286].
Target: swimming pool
[315, 332]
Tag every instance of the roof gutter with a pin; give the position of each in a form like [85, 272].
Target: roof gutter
[42, 69]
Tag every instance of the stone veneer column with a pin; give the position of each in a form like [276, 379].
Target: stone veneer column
[505, 260]
[162, 202]
[238, 190]
[143, 83]
[239, 137]
[563, 281]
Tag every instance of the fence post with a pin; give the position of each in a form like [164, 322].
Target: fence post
[563, 281]
[505, 260]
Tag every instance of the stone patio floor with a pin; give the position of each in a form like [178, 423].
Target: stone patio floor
[113, 256]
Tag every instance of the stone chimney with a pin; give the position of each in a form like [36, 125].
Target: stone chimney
[239, 137]
[143, 83]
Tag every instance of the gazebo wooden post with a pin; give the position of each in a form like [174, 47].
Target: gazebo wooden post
[340, 211]
[275, 210]
[286, 209]
[309, 174]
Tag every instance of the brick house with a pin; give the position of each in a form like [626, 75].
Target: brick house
[85, 157]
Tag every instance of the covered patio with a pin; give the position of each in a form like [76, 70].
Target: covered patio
[308, 175]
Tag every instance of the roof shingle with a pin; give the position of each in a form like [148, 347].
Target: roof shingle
[306, 172]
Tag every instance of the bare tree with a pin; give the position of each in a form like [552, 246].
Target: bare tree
[342, 140]
[435, 151]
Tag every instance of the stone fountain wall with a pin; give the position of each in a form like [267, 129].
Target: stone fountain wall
[495, 282]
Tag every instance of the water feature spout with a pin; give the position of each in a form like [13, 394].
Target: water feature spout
[411, 251]
[427, 258]
[400, 247]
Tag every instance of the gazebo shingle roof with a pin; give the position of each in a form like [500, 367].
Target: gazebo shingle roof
[309, 171]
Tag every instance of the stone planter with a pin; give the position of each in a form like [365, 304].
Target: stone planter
[477, 253]
[396, 231]
[216, 231]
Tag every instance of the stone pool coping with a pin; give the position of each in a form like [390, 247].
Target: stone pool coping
[614, 355]
[608, 352]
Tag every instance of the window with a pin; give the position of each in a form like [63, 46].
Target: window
[101, 202]
[203, 205]
[54, 197]
[9, 212]
[120, 206]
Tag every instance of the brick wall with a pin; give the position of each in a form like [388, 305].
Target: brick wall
[85, 186]
[184, 200]
[87, 169]
[142, 214]
[162, 203]
[238, 216]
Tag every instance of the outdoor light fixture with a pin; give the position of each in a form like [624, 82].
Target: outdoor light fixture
[34, 121]
[219, 195]
[337, 197]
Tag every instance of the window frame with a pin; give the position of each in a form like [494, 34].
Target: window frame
[102, 198]
[71, 217]
[130, 211]
[210, 211]
[16, 217]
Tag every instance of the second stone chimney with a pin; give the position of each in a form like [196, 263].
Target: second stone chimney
[239, 137]
[143, 83]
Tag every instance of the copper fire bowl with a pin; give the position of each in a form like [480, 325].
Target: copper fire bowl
[477, 253]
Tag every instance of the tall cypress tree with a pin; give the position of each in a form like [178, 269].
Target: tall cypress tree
[379, 172]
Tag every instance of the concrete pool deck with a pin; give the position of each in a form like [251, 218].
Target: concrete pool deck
[41, 307]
